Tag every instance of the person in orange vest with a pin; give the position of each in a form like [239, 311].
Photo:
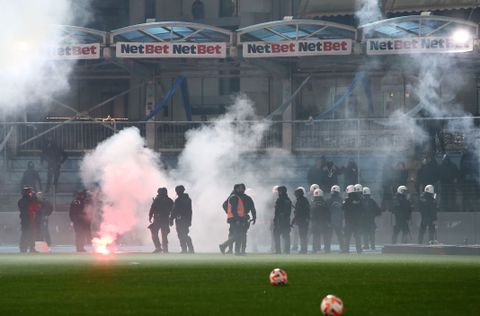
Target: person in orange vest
[237, 215]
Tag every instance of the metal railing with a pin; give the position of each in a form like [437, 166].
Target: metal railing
[358, 135]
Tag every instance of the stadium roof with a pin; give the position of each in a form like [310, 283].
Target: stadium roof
[312, 8]
[287, 30]
[81, 35]
[417, 26]
[171, 32]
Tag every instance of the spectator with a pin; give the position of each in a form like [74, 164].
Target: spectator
[387, 185]
[316, 174]
[448, 175]
[400, 176]
[469, 173]
[350, 173]
[31, 178]
[427, 173]
[198, 10]
[331, 176]
[55, 157]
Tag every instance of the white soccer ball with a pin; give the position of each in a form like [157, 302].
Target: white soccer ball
[331, 306]
[278, 277]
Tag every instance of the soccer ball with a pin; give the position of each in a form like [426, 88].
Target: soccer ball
[331, 306]
[278, 277]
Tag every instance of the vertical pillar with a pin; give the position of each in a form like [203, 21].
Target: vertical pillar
[149, 103]
[287, 126]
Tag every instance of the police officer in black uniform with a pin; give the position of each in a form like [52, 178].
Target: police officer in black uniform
[281, 220]
[371, 210]
[159, 218]
[25, 205]
[250, 217]
[336, 212]
[46, 209]
[320, 218]
[402, 209]
[353, 210]
[182, 215]
[428, 210]
[301, 218]
[81, 221]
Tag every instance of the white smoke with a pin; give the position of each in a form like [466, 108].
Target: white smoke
[368, 11]
[216, 156]
[27, 29]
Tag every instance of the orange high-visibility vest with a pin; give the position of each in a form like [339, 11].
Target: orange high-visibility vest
[240, 208]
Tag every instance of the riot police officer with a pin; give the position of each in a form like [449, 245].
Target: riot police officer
[402, 210]
[159, 218]
[281, 220]
[81, 220]
[353, 210]
[302, 218]
[428, 210]
[320, 219]
[371, 210]
[182, 216]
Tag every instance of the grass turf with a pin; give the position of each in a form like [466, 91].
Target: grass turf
[142, 284]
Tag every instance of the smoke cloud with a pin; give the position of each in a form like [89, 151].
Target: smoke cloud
[368, 11]
[216, 156]
[28, 29]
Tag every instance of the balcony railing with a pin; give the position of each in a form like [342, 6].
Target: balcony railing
[323, 135]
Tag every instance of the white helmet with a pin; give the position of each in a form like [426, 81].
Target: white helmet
[317, 193]
[335, 188]
[275, 189]
[402, 189]
[301, 188]
[357, 187]
[430, 189]
[350, 189]
[313, 187]
[366, 191]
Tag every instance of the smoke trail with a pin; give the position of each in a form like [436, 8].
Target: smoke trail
[219, 155]
[127, 174]
[368, 11]
[28, 29]
[216, 156]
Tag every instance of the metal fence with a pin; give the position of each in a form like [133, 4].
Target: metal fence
[374, 135]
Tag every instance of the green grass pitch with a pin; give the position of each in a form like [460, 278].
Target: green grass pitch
[147, 284]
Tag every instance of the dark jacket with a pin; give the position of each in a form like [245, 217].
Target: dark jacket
[78, 212]
[353, 209]
[319, 212]
[335, 207]
[427, 207]
[371, 210]
[25, 205]
[46, 208]
[182, 210]
[350, 173]
[448, 172]
[302, 211]
[283, 212]
[401, 208]
[161, 209]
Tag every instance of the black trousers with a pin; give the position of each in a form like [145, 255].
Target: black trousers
[369, 235]
[431, 231]
[303, 234]
[82, 235]
[400, 226]
[338, 229]
[282, 233]
[321, 231]
[353, 229]
[235, 235]
[185, 241]
[27, 242]
[155, 228]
